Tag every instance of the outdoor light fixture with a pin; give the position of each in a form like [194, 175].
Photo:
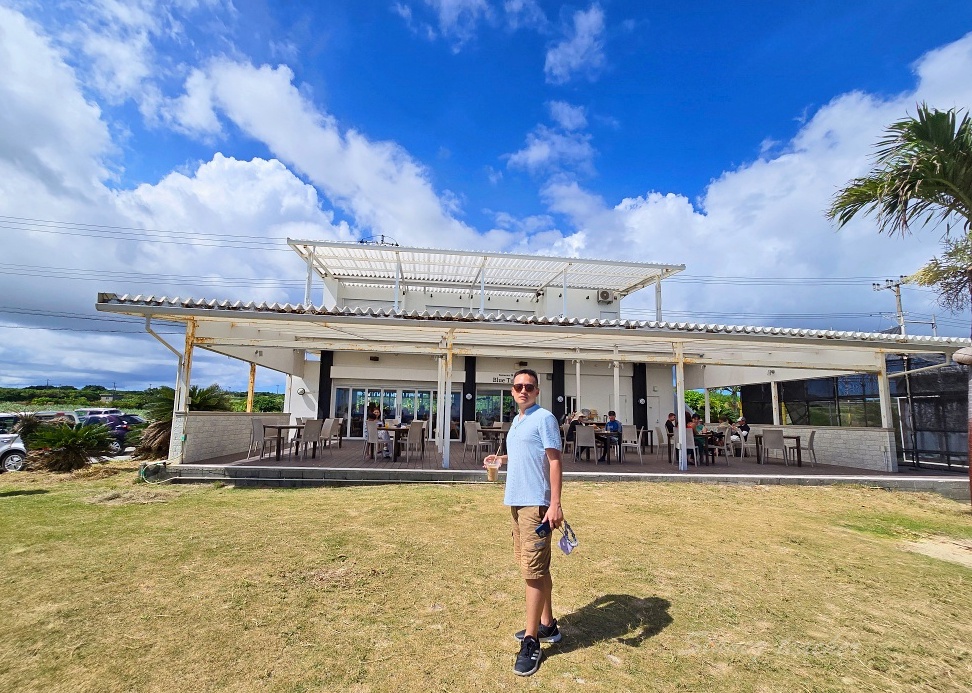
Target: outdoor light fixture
[374, 358]
[301, 391]
[641, 400]
[560, 398]
[468, 395]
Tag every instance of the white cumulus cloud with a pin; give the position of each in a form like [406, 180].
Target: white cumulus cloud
[581, 52]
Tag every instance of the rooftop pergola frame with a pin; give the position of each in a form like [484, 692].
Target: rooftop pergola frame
[485, 273]
[278, 336]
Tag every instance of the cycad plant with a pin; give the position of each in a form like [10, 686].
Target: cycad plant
[154, 443]
[63, 448]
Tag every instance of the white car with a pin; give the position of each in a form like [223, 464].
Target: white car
[12, 452]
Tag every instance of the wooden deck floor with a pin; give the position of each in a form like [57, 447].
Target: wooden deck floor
[351, 456]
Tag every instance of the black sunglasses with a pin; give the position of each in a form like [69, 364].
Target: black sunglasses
[520, 387]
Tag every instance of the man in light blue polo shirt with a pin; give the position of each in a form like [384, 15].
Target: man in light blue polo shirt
[533, 484]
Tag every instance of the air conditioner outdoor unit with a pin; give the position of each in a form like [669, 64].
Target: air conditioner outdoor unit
[606, 296]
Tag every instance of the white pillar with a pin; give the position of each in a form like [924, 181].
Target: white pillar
[680, 403]
[447, 410]
[310, 277]
[658, 301]
[775, 393]
[884, 392]
[440, 380]
[180, 404]
[616, 365]
[577, 365]
[708, 411]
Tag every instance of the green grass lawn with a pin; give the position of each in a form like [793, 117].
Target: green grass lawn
[115, 586]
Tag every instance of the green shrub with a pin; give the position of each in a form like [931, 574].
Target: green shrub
[63, 448]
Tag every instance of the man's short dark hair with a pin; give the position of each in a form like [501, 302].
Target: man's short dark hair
[611, 413]
[528, 371]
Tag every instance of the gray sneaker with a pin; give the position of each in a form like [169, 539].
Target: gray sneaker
[549, 633]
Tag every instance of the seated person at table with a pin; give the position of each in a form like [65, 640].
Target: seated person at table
[699, 434]
[671, 424]
[743, 428]
[613, 429]
[374, 414]
[578, 420]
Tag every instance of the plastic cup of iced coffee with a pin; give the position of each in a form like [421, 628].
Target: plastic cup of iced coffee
[492, 468]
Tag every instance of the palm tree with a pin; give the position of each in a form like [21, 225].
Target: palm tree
[923, 174]
[155, 438]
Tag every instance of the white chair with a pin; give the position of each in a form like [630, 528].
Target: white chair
[631, 438]
[773, 440]
[371, 439]
[310, 435]
[693, 452]
[474, 439]
[336, 434]
[808, 447]
[414, 441]
[584, 438]
[567, 444]
[258, 437]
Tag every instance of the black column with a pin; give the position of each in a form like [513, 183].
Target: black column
[559, 396]
[469, 388]
[639, 392]
[324, 386]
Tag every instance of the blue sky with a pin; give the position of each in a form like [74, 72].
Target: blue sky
[712, 136]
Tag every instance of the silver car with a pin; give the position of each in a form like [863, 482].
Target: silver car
[12, 452]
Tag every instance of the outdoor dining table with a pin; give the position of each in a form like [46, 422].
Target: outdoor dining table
[603, 437]
[496, 435]
[280, 428]
[786, 436]
[396, 432]
[651, 439]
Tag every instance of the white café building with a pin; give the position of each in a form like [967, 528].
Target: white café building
[408, 328]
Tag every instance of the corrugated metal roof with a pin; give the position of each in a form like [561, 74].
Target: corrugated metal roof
[116, 303]
[358, 263]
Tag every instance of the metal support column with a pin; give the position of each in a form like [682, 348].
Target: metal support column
[250, 387]
[680, 402]
[775, 394]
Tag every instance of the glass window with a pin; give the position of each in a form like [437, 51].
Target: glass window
[821, 388]
[359, 403]
[408, 406]
[389, 405]
[822, 414]
[488, 407]
[342, 400]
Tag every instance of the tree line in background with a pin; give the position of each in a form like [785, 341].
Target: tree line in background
[68, 396]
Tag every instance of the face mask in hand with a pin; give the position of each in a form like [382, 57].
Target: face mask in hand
[568, 542]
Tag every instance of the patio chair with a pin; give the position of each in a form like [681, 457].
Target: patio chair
[747, 443]
[694, 454]
[808, 447]
[773, 440]
[258, 437]
[337, 432]
[631, 438]
[474, 439]
[311, 435]
[414, 441]
[584, 438]
[567, 444]
[371, 439]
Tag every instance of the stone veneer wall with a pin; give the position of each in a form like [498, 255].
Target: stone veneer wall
[863, 448]
[211, 434]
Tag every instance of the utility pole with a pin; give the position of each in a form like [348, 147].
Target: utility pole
[894, 285]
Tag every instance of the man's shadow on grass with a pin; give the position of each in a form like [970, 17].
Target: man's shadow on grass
[31, 492]
[622, 617]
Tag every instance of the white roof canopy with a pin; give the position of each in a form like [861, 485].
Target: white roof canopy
[383, 265]
[239, 330]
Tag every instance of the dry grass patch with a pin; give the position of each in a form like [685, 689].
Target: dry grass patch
[412, 588]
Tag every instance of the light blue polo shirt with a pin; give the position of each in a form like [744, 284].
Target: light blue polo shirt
[527, 467]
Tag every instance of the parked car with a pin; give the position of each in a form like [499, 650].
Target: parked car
[12, 452]
[117, 428]
[68, 416]
[85, 412]
[7, 422]
[132, 419]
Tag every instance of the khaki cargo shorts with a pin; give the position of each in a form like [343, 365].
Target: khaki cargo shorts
[531, 552]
